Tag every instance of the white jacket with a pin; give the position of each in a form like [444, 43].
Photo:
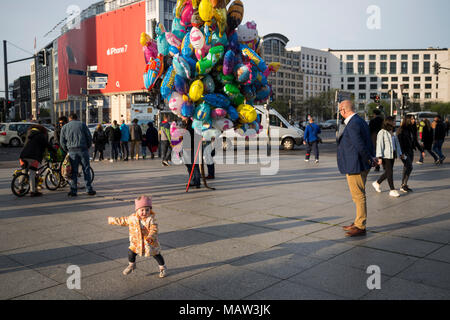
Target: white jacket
[385, 148]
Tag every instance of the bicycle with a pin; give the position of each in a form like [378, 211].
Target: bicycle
[48, 174]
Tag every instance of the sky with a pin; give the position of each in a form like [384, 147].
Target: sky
[320, 24]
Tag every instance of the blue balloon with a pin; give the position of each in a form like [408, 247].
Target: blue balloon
[187, 110]
[232, 113]
[168, 83]
[181, 85]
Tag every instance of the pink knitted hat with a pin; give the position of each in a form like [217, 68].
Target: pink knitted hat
[142, 201]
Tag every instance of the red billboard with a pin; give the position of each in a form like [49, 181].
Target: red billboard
[109, 41]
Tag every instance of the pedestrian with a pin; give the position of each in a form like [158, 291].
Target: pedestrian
[135, 139]
[439, 137]
[143, 231]
[61, 122]
[124, 138]
[190, 151]
[311, 139]
[36, 144]
[114, 134]
[355, 157]
[166, 149]
[76, 140]
[151, 137]
[407, 136]
[100, 140]
[375, 125]
[387, 150]
[427, 141]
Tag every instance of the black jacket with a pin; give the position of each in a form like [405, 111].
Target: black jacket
[152, 136]
[100, 139]
[113, 134]
[427, 137]
[35, 146]
[408, 139]
[440, 131]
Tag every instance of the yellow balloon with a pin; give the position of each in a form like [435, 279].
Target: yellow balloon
[206, 10]
[196, 90]
[247, 113]
[145, 38]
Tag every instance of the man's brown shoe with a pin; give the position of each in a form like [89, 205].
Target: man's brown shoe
[347, 228]
[355, 232]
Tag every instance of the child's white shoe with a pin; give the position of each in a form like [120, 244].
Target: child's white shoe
[129, 269]
[162, 272]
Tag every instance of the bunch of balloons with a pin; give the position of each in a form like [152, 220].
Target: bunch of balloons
[208, 67]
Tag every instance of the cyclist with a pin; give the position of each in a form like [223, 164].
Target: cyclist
[36, 143]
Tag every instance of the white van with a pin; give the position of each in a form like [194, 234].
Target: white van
[289, 135]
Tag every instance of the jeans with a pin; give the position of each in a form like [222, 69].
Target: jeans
[437, 148]
[78, 157]
[431, 153]
[115, 145]
[407, 168]
[166, 150]
[124, 147]
[388, 165]
[132, 258]
[312, 146]
[196, 176]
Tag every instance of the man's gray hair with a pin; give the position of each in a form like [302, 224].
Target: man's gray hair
[348, 105]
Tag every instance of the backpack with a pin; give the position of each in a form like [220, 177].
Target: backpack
[66, 168]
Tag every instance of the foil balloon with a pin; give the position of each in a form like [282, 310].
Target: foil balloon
[205, 10]
[187, 110]
[246, 113]
[161, 40]
[196, 90]
[202, 112]
[153, 71]
[235, 14]
[168, 83]
[181, 85]
[223, 124]
[218, 113]
[229, 62]
[173, 40]
[217, 100]
[186, 15]
[208, 83]
[210, 134]
[176, 102]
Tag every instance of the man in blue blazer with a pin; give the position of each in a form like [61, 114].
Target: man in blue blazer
[355, 157]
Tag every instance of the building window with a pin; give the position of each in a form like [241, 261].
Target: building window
[372, 68]
[427, 85]
[426, 67]
[351, 87]
[394, 86]
[373, 79]
[350, 57]
[372, 57]
[394, 79]
[406, 86]
[361, 57]
[362, 96]
[404, 57]
[415, 68]
[350, 68]
[393, 57]
[362, 79]
[393, 67]
[373, 87]
[362, 87]
[405, 79]
[351, 79]
[404, 68]
[416, 85]
[415, 57]
[427, 95]
[426, 57]
[361, 69]
[428, 79]
[383, 67]
[416, 95]
[416, 79]
[383, 57]
[385, 79]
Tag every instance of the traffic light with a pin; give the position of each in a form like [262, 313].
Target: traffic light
[42, 57]
[377, 99]
[436, 66]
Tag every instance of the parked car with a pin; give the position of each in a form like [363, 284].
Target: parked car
[13, 133]
[329, 124]
[93, 126]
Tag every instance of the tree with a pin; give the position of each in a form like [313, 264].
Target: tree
[281, 106]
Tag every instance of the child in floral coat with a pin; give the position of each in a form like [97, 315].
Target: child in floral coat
[143, 234]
